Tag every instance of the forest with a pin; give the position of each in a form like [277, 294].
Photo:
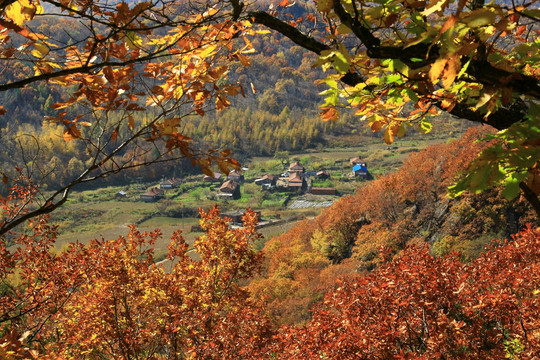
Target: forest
[437, 260]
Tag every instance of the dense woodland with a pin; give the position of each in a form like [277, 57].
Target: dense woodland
[95, 92]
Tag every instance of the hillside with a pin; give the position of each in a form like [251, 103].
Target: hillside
[400, 209]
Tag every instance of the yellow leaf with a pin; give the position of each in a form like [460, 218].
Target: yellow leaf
[14, 13]
[480, 17]
[437, 69]
[133, 41]
[452, 68]
[483, 100]
[438, 6]
[325, 5]
[21, 11]
[178, 92]
[388, 135]
[42, 48]
[343, 29]
[36, 53]
[210, 12]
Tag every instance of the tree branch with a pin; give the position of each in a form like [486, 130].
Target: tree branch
[480, 71]
[531, 197]
[271, 22]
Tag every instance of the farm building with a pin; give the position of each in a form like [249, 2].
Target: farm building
[215, 178]
[170, 184]
[296, 167]
[296, 182]
[229, 189]
[267, 181]
[120, 195]
[357, 161]
[153, 194]
[323, 174]
[235, 175]
[361, 171]
[324, 191]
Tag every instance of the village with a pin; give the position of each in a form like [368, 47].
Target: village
[296, 180]
[298, 187]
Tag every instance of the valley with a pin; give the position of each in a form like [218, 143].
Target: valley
[101, 212]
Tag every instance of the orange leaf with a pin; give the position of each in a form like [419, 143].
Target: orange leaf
[330, 113]
[114, 134]
[131, 122]
[206, 170]
[448, 24]
[520, 30]
[71, 133]
[388, 135]
[244, 60]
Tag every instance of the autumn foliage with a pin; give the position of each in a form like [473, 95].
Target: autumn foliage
[110, 299]
[407, 207]
[424, 307]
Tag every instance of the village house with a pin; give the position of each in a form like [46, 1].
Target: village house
[121, 195]
[152, 195]
[296, 182]
[170, 184]
[215, 178]
[229, 189]
[267, 181]
[357, 161]
[235, 175]
[323, 175]
[296, 167]
[361, 171]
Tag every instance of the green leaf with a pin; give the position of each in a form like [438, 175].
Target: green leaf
[511, 186]
[133, 40]
[394, 78]
[411, 94]
[480, 17]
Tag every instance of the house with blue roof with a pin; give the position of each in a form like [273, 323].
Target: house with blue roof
[361, 171]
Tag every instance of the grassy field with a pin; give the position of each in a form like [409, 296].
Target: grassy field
[96, 214]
